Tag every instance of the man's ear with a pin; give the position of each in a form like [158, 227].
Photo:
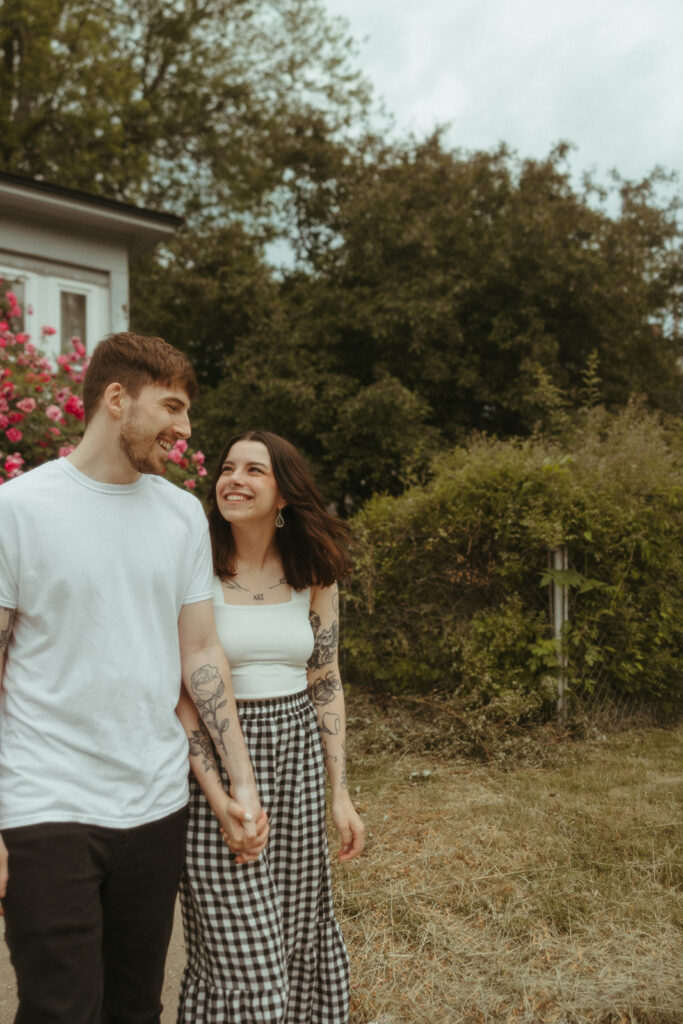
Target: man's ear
[114, 399]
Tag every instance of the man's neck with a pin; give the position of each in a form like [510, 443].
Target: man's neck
[102, 459]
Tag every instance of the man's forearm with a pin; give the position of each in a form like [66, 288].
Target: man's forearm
[7, 619]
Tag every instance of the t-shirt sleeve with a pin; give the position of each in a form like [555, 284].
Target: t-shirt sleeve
[9, 559]
[200, 580]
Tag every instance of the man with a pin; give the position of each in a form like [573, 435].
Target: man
[105, 601]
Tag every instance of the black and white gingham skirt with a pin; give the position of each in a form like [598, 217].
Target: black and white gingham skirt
[263, 945]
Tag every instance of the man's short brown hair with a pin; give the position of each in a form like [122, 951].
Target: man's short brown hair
[133, 360]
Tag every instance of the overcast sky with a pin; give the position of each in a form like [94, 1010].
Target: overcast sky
[606, 75]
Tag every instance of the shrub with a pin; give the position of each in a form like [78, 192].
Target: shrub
[41, 411]
[450, 589]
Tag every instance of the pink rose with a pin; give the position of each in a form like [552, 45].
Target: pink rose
[15, 417]
[175, 456]
[199, 458]
[180, 445]
[201, 471]
[54, 430]
[26, 405]
[66, 450]
[13, 463]
[21, 338]
[48, 330]
[53, 412]
[74, 406]
[14, 435]
[4, 422]
[190, 484]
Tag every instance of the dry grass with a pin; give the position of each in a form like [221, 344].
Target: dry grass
[547, 893]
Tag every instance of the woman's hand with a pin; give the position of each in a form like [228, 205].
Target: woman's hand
[349, 825]
[242, 835]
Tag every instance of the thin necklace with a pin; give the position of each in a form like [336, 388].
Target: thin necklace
[257, 595]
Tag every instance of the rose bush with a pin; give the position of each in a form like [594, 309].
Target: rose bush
[41, 409]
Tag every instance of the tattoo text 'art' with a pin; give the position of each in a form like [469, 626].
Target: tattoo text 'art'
[326, 640]
[326, 688]
[208, 687]
[6, 630]
[201, 746]
[256, 595]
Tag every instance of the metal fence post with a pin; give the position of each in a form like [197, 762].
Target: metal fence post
[560, 615]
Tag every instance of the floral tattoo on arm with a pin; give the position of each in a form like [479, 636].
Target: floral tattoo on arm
[201, 746]
[207, 689]
[326, 641]
[324, 686]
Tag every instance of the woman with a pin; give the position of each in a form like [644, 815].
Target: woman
[262, 941]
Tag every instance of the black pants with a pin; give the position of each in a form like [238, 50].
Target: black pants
[88, 919]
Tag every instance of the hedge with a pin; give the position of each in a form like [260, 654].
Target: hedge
[450, 588]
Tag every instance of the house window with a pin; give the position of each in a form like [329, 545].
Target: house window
[73, 318]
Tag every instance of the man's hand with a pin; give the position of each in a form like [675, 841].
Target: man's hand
[4, 871]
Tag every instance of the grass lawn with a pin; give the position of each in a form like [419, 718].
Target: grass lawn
[548, 892]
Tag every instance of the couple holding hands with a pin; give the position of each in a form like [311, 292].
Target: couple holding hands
[113, 588]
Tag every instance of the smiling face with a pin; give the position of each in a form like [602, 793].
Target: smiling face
[247, 490]
[151, 424]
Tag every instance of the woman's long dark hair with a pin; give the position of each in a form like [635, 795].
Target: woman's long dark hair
[313, 544]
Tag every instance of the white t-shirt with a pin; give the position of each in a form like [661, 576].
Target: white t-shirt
[98, 574]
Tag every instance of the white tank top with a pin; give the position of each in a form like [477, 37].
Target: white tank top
[267, 645]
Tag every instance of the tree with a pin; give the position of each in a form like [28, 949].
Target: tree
[485, 284]
[203, 293]
[436, 293]
[192, 104]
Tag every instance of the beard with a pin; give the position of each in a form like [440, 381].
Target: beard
[139, 447]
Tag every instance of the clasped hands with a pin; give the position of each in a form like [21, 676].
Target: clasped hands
[244, 834]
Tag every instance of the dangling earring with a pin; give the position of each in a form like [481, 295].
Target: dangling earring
[279, 521]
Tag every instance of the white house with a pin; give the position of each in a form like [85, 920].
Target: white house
[65, 255]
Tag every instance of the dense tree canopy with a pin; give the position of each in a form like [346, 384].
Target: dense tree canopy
[192, 104]
[436, 293]
[477, 280]
[204, 293]
[431, 292]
